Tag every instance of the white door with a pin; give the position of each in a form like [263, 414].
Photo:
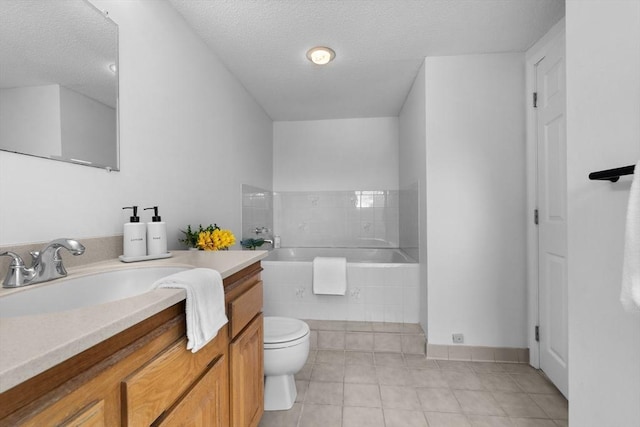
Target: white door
[552, 214]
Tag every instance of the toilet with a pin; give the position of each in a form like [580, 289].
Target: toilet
[286, 348]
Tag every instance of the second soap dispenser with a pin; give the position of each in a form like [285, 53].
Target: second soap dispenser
[135, 236]
[156, 234]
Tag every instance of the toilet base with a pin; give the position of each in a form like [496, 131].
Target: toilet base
[279, 392]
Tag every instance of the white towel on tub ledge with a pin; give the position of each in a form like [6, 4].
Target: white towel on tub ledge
[329, 276]
[204, 305]
[630, 295]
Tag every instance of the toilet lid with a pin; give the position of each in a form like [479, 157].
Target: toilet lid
[283, 329]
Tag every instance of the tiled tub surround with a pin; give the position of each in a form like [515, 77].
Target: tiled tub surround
[347, 387]
[356, 218]
[378, 292]
[257, 211]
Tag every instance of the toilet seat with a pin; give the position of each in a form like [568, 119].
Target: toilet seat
[282, 332]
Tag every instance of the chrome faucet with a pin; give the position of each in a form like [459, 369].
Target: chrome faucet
[46, 265]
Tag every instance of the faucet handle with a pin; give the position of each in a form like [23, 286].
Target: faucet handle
[35, 255]
[16, 260]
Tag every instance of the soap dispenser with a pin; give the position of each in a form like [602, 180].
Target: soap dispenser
[135, 235]
[156, 234]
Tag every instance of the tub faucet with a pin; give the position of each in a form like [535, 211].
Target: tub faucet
[270, 241]
[46, 265]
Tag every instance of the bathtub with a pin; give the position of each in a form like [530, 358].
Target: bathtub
[382, 285]
[373, 255]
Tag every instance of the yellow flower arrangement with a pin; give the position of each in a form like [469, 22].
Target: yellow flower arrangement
[215, 240]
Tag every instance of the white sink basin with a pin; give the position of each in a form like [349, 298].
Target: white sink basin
[84, 291]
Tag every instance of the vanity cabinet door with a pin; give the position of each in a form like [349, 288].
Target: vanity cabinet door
[247, 375]
[207, 403]
[91, 416]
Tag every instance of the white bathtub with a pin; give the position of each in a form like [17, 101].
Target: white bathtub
[382, 285]
[373, 255]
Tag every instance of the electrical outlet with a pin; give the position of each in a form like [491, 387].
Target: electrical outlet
[458, 338]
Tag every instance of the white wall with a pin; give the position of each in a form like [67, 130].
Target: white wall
[412, 173]
[475, 149]
[190, 136]
[603, 131]
[332, 155]
[30, 120]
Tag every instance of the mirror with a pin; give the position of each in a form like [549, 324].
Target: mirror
[59, 82]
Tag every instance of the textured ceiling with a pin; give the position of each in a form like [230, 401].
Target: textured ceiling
[379, 44]
[65, 42]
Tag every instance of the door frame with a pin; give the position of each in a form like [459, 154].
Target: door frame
[534, 55]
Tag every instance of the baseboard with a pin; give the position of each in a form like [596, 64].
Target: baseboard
[477, 354]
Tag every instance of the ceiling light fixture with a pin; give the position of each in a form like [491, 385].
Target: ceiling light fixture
[321, 55]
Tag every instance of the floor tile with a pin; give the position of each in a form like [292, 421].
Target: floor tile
[498, 382]
[388, 359]
[320, 416]
[399, 397]
[326, 393]
[402, 418]
[331, 340]
[532, 422]
[438, 400]
[427, 378]
[441, 419]
[312, 356]
[489, 421]
[518, 405]
[387, 342]
[301, 387]
[462, 380]
[554, 405]
[358, 358]
[534, 383]
[305, 372]
[362, 417]
[419, 361]
[359, 341]
[282, 418]
[562, 423]
[330, 356]
[391, 375]
[517, 368]
[360, 374]
[478, 402]
[327, 372]
[486, 367]
[453, 365]
[366, 395]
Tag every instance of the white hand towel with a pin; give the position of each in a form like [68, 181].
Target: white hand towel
[204, 306]
[329, 276]
[630, 295]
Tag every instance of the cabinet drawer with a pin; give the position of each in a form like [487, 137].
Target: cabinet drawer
[244, 308]
[156, 386]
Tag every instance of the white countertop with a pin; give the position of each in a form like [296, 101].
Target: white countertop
[29, 345]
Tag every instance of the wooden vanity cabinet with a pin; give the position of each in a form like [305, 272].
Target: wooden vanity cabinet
[246, 351]
[145, 376]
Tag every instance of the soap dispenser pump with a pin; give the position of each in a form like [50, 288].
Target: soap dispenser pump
[156, 234]
[135, 236]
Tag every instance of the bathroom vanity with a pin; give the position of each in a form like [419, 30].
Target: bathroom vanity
[143, 374]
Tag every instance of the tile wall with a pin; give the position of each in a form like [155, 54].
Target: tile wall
[257, 211]
[357, 218]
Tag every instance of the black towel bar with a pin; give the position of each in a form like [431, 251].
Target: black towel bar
[612, 175]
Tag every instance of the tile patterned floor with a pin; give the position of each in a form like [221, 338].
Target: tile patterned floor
[370, 388]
